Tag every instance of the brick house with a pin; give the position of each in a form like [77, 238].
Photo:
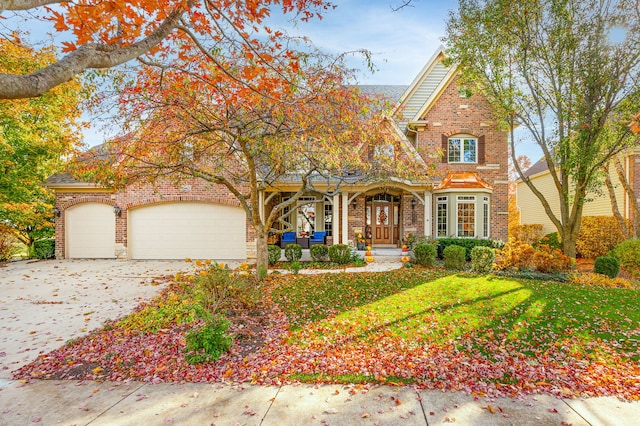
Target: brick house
[433, 116]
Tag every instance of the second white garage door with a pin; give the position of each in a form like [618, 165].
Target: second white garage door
[187, 230]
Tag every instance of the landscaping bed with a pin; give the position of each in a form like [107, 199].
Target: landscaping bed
[487, 335]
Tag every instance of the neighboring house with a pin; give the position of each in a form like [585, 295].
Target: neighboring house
[199, 220]
[598, 202]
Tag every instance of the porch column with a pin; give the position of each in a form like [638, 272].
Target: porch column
[261, 205]
[345, 217]
[335, 219]
[428, 214]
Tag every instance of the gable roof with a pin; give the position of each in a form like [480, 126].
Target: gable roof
[425, 89]
[538, 167]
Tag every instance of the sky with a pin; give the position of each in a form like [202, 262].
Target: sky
[401, 41]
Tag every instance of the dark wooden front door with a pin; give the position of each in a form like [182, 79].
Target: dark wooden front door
[382, 223]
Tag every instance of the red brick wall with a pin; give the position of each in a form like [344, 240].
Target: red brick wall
[451, 115]
[140, 195]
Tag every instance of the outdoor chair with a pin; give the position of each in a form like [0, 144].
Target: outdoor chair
[287, 238]
[318, 238]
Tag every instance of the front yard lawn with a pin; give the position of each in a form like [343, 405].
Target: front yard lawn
[484, 334]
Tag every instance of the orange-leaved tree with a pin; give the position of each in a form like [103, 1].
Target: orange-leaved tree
[249, 120]
[105, 34]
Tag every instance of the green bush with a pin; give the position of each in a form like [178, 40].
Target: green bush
[425, 254]
[482, 259]
[628, 254]
[274, 253]
[209, 342]
[552, 240]
[319, 252]
[467, 243]
[293, 252]
[454, 257]
[44, 249]
[606, 265]
[340, 253]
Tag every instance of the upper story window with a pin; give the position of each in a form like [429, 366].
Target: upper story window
[463, 150]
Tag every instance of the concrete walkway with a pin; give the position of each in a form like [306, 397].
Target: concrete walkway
[45, 303]
[101, 403]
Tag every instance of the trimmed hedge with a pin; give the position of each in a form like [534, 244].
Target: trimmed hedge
[44, 249]
[606, 265]
[482, 259]
[293, 252]
[340, 253]
[274, 253]
[467, 243]
[319, 252]
[425, 254]
[454, 257]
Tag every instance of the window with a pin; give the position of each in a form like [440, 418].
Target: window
[463, 150]
[485, 217]
[328, 219]
[306, 216]
[441, 216]
[466, 216]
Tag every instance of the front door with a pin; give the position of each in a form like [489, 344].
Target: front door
[382, 221]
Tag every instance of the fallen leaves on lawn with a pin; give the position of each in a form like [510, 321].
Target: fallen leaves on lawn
[378, 346]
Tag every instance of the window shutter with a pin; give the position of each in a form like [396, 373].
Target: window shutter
[445, 148]
[481, 150]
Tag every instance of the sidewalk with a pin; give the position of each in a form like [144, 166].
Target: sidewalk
[103, 403]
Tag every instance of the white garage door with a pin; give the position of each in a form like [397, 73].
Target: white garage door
[193, 230]
[90, 231]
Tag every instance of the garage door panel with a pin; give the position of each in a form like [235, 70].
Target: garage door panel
[181, 230]
[90, 231]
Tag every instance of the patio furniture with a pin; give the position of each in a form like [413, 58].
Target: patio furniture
[318, 238]
[287, 238]
[303, 242]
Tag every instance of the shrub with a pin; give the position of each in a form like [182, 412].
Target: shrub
[425, 254]
[294, 267]
[340, 253]
[293, 252]
[552, 240]
[598, 280]
[209, 342]
[606, 265]
[598, 235]
[319, 252]
[628, 254]
[482, 259]
[551, 261]
[7, 244]
[528, 233]
[454, 257]
[467, 243]
[44, 249]
[514, 255]
[274, 253]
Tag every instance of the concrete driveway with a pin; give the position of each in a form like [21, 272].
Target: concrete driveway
[45, 303]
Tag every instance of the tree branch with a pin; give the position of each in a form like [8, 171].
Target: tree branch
[87, 56]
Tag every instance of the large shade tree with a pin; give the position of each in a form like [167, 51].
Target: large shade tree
[35, 136]
[249, 117]
[105, 34]
[563, 70]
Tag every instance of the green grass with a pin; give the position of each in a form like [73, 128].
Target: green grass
[429, 307]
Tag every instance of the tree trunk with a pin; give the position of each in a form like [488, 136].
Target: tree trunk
[614, 203]
[262, 255]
